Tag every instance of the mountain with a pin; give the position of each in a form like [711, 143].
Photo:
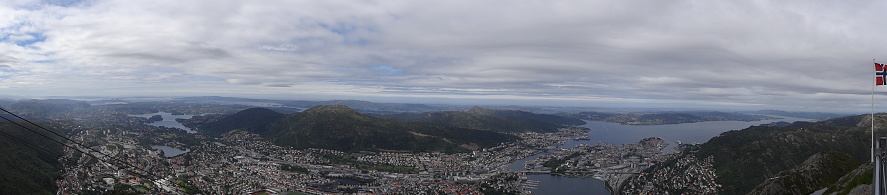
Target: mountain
[476, 121]
[810, 115]
[253, 120]
[363, 106]
[817, 172]
[27, 170]
[549, 118]
[490, 120]
[857, 181]
[341, 128]
[744, 159]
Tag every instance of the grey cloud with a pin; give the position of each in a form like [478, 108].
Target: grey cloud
[710, 52]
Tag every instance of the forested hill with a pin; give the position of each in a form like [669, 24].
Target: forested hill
[745, 158]
[24, 169]
[548, 118]
[819, 171]
[253, 120]
[492, 120]
[342, 128]
[810, 115]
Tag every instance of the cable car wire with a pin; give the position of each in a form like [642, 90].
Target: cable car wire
[147, 174]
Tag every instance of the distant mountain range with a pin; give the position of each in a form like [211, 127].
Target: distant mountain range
[341, 128]
[363, 106]
[490, 119]
[375, 108]
[809, 115]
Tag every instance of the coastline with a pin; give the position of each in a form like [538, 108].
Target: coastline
[609, 188]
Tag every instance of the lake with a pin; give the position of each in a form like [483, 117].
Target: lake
[170, 151]
[169, 120]
[615, 133]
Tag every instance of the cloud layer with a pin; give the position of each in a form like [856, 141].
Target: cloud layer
[762, 54]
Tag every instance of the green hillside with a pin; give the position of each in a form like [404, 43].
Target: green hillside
[254, 120]
[342, 128]
[476, 121]
[747, 158]
[491, 120]
[27, 170]
[817, 172]
[548, 118]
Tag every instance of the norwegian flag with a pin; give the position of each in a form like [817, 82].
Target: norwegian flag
[880, 74]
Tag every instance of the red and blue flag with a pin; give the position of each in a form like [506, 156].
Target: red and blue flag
[880, 74]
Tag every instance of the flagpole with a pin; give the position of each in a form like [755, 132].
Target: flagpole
[873, 116]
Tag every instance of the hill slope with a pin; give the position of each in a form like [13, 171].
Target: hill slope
[745, 158]
[810, 115]
[491, 120]
[27, 170]
[476, 121]
[254, 120]
[817, 172]
[857, 181]
[548, 118]
[342, 128]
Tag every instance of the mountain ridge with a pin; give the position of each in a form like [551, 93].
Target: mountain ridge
[490, 119]
[744, 159]
[818, 171]
[339, 127]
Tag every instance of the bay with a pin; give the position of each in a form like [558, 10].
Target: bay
[616, 133]
[700, 132]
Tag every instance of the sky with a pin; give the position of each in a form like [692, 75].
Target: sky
[806, 55]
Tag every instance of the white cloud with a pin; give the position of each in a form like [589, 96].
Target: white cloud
[706, 52]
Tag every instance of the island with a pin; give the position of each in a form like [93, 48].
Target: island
[155, 118]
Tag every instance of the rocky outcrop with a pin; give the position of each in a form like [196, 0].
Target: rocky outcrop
[817, 172]
[857, 181]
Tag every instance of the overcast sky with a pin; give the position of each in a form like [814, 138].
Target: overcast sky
[789, 55]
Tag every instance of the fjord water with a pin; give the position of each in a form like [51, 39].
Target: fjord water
[615, 133]
[701, 132]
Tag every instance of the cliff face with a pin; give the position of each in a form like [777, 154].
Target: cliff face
[817, 172]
